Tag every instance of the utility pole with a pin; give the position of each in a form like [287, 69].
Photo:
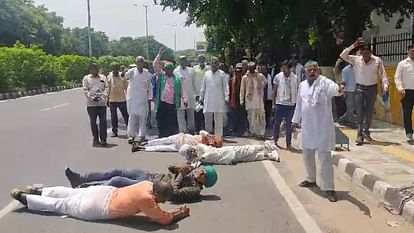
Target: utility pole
[89, 28]
[146, 29]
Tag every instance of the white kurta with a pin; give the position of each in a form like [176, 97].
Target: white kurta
[139, 91]
[187, 76]
[318, 129]
[215, 91]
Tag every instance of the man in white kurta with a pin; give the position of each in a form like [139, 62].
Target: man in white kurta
[138, 93]
[314, 113]
[187, 75]
[230, 154]
[215, 94]
[199, 70]
[251, 93]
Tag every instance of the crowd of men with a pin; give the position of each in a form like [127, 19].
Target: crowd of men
[207, 99]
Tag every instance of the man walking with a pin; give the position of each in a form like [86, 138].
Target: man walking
[117, 97]
[170, 95]
[314, 112]
[215, 95]
[237, 111]
[186, 113]
[367, 69]
[286, 86]
[348, 80]
[138, 94]
[200, 70]
[96, 91]
[404, 80]
[251, 92]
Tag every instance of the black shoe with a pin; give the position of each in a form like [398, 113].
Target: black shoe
[331, 196]
[19, 195]
[131, 140]
[95, 142]
[73, 177]
[114, 135]
[359, 141]
[307, 184]
[136, 147]
[368, 138]
[104, 143]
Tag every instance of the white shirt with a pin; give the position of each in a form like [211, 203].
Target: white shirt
[199, 76]
[215, 91]
[187, 79]
[366, 73]
[209, 154]
[404, 76]
[269, 87]
[292, 83]
[139, 91]
[318, 128]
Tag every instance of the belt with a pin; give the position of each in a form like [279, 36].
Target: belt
[366, 86]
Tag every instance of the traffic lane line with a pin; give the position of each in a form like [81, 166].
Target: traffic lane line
[303, 217]
[8, 208]
[391, 149]
[54, 107]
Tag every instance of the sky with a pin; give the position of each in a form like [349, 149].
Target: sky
[118, 18]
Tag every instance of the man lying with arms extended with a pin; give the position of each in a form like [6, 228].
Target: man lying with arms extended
[104, 202]
[203, 154]
[187, 181]
[173, 143]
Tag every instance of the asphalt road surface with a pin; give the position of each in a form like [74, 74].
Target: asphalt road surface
[40, 135]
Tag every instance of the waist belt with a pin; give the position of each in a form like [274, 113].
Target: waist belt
[366, 86]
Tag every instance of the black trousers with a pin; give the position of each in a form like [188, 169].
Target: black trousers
[268, 112]
[239, 120]
[94, 113]
[199, 121]
[122, 106]
[167, 119]
[408, 104]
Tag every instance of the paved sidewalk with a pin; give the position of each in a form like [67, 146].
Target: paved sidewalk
[384, 166]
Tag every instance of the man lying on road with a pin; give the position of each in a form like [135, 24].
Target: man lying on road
[230, 154]
[187, 182]
[173, 143]
[104, 202]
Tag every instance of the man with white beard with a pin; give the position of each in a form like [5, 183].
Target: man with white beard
[314, 112]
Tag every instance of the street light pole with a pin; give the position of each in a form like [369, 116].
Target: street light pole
[89, 28]
[146, 29]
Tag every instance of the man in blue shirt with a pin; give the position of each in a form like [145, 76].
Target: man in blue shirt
[348, 80]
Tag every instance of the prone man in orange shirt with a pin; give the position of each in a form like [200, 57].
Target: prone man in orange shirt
[104, 202]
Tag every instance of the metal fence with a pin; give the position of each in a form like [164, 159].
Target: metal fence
[392, 48]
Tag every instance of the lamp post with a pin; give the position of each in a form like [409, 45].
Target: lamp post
[89, 28]
[146, 30]
[175, 35]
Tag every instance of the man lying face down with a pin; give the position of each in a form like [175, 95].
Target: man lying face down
[104, 202]
[186, 181]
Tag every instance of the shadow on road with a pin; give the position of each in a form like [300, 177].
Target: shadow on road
[383, 143]
[202, 198]
[135, 222]
[344, 196]
[109, 145]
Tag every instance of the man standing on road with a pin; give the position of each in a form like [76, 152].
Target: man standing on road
[200, 70]
[267, 95]
[117, 99]
[138, 94]
[348, 80]
[251, 92]
[215, 95]
[104, 202]
[404, 80]
[237, 111]
[314, 112]
[186, 113]
[170, 95]
[367, 70]
[96, 91]
[286, 86]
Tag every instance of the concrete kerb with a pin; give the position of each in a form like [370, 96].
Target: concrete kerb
[17, 94]
[379, 188]
[1, 97]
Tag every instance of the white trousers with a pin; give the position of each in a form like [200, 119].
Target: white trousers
[183, 125]
[162, 145]
[250, 153]
[257, 121]
[218, 122]
[137, 124]
[326, 173]
[84, 203]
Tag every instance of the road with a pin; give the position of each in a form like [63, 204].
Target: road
[40, 135]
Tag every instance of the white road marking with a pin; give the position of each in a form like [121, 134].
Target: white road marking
[54, 107]
[303, 217]
[8, 208]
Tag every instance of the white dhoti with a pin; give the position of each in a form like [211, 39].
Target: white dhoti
[257, 121]
[326, 168]
[218, 122]
[162, 145]
[137, 123]
[184, 123]
[90, 203]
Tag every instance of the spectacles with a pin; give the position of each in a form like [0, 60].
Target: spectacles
[312, 70]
